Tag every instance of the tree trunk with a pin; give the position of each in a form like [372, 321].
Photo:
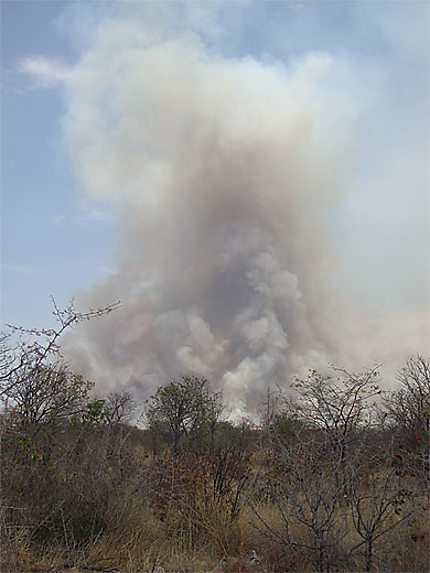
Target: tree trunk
[369, 551]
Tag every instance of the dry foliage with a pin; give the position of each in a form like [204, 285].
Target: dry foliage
[324, 484]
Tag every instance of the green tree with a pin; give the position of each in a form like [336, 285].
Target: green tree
[47, 395]
[188, 408]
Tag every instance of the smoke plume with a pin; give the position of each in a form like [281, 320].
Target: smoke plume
[226, 175]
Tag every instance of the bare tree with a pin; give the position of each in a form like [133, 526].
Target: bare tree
[120, 406]
[408, 410]
[379, 504]
[340, 406]
[24, 350]
[329, 480]
[36, 385]
[409, 405]
[308, 497]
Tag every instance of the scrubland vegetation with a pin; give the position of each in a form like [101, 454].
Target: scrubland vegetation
[334, 477]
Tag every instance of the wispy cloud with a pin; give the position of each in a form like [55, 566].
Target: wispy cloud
[45, 72]
[109, 271]
[90, 211]
[83, 217]
[97, 215]
[23, 269]
[59, 220]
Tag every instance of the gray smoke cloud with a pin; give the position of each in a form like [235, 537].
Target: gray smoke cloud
[226, 175]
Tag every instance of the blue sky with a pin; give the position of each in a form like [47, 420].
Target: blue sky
[88, 108]
[52, 243]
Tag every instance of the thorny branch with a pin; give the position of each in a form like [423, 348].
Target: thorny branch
[35, 345]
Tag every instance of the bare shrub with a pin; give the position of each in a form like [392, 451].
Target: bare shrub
[408, 412]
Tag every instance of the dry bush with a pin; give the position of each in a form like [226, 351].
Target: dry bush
[90, 494]
[337, 495]
[199, 498]
[408, 546]
[15, 547]
[71, 487]
[116, 508]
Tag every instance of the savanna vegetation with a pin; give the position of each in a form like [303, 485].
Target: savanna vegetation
[333, 477]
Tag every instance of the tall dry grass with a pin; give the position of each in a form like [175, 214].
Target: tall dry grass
[95, 497]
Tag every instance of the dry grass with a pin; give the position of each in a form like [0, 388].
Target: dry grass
[169, 514]
[146, 544]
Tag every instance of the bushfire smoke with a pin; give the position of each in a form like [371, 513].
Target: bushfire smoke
[226, 175]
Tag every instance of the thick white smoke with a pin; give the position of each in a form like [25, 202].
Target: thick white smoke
[223, 173]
